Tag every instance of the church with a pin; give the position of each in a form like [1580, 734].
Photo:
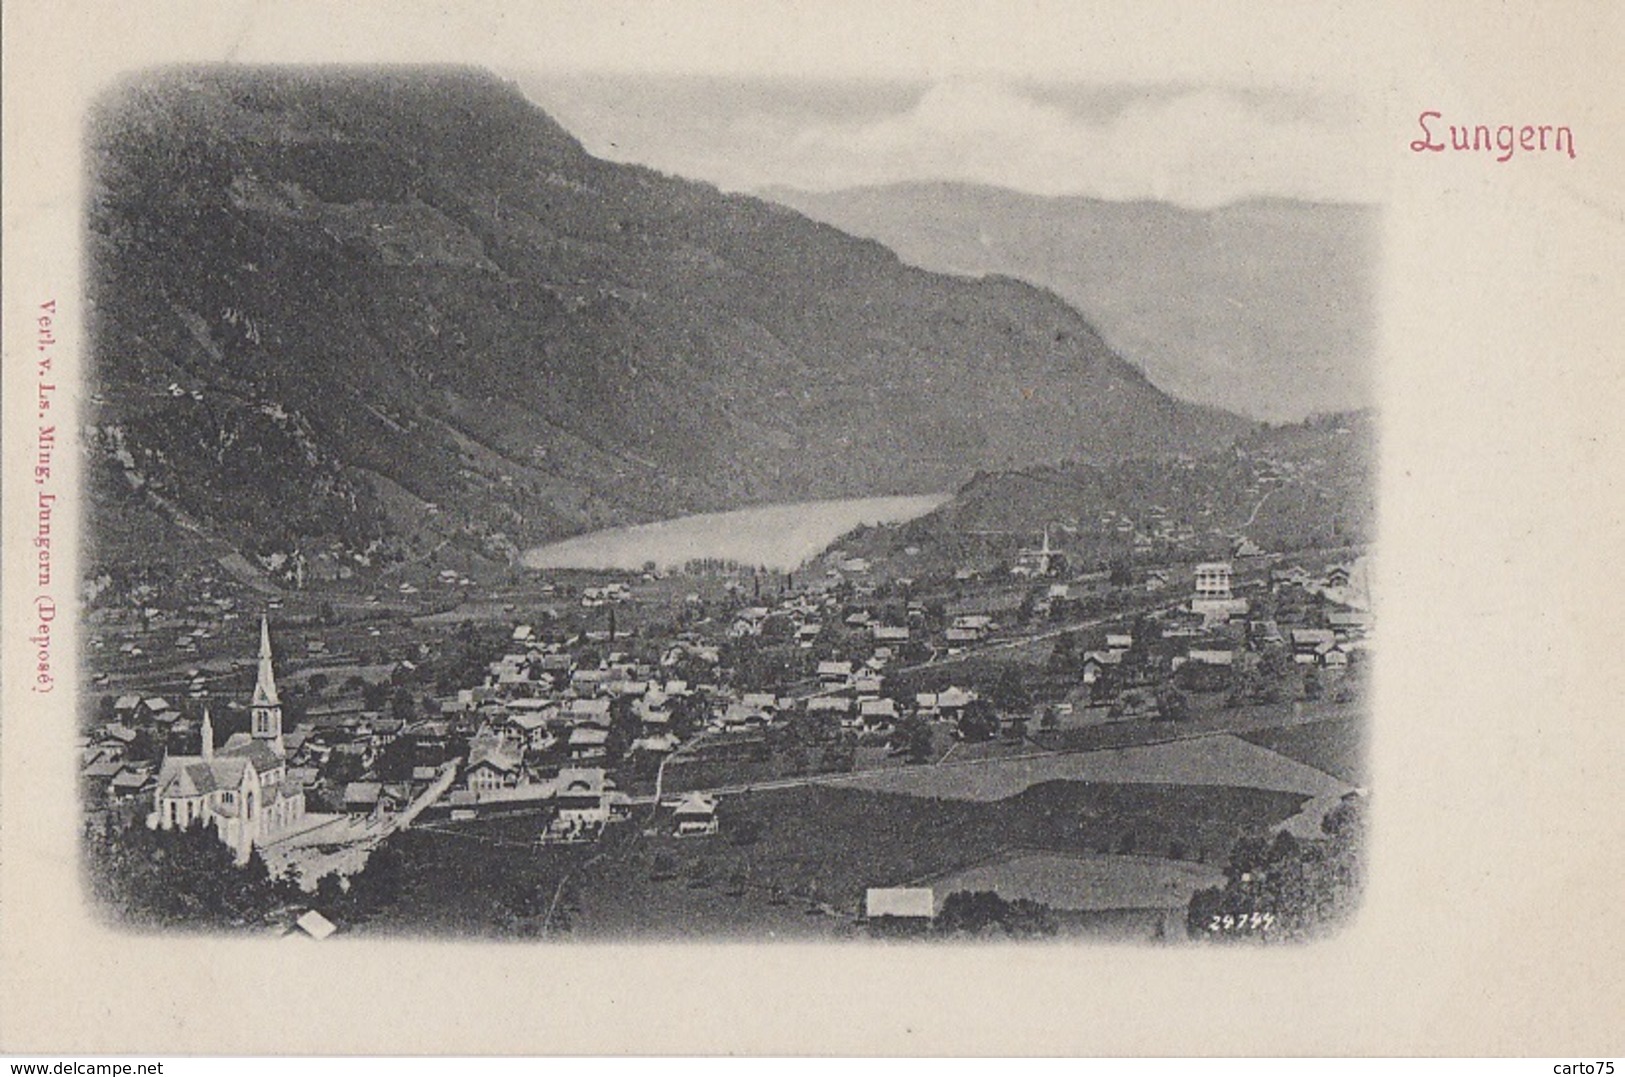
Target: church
[242, 788]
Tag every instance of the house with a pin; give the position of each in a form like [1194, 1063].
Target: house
[1246, 547]
[878, 713]
[656, 744]
[655, 720]
[588, 711]
[1307, 641]
[493, 763]
[581, 797]
[1292, 575]
[1097, 663]
[588, 742]
[1264, 632]
[361, 798]
[696, 815]
[132, 780]
[915, 904]
[738, 718]
[98, 776]
[528, 729]
[1119, 641]
[834, 673]
[116, 735]
[888, 634]
[1208, 657]
[971, 627]
[1349, 624]
[838, 706]
[313, 925]
[951, 702]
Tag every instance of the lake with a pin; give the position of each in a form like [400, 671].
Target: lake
[781, 537]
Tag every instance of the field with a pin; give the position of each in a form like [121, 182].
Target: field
[1220, 760]
[1085, 881]
[1336, 747]
[794, 863]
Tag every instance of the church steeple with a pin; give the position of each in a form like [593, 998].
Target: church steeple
[265, 684]
[266, 709]
[207, 734]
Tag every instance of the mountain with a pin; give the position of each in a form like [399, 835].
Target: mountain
[1282, 487]
[1264, 308]
[375, 310]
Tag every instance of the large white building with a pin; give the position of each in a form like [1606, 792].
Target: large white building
[1213, 580]
[241, 789]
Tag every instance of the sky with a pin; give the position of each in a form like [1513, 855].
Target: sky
[1198, 146]
[1195, 104]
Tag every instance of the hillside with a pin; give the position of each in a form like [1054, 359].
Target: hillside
[1309, 484]
[378, 310]
[1265, 308]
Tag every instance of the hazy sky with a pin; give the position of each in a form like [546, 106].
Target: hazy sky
[1194, 101]
[1197, 145]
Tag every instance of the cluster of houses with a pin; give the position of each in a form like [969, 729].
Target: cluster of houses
[1214, 632]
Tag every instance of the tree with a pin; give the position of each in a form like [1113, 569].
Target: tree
[402, 707]
[374, 695]
[978, 721]
[1173, 705]
[1009, 691]
[397, 759]
[914, 737]
[984, 911]
[1286, 887]
[1063, 659]
[178, 878]
[623, 730]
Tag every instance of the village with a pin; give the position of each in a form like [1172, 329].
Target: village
[576, 704]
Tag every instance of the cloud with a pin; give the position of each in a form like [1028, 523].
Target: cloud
[1198, 147]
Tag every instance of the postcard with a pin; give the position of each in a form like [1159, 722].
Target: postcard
[899, 528]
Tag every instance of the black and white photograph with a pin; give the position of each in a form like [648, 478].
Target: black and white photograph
[487, 536]
[659, 494]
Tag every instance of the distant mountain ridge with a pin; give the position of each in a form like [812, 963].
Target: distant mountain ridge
[1263, 307]
[403, 306]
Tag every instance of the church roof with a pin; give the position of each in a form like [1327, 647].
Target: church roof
[192, 775]
[259, 752]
